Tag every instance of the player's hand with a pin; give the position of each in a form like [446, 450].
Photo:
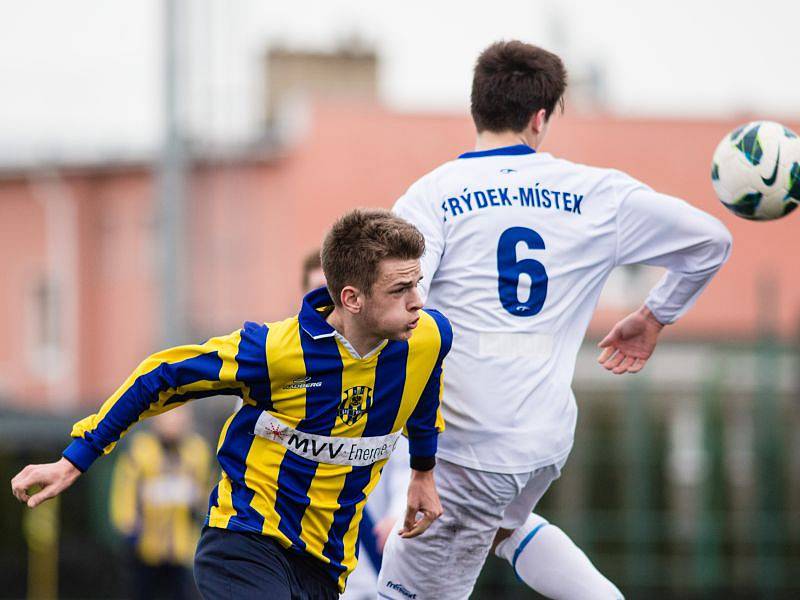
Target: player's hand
[630, 343]
[383, 530]
[52, 479]
[423, 499]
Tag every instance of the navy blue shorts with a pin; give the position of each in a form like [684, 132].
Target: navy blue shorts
[233, 564]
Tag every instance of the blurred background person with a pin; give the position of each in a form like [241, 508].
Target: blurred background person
[157, 502]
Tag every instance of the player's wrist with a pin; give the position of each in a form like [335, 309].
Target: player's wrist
[421, 473]
[650, 317]
[68, 468]
[422, 464]
[80, 454]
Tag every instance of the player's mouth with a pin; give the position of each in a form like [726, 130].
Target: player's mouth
[413, 324]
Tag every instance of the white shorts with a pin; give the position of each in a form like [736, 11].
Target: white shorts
[445, 561]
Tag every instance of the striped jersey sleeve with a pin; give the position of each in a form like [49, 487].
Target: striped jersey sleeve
[234, 364]
[426, 422]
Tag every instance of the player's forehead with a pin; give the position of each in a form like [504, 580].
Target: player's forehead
[391, 270]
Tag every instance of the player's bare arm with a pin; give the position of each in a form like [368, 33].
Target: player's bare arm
[53, 478]
[422, 499]
[630, 343]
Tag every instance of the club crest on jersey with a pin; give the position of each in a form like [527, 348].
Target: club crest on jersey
[355, 403]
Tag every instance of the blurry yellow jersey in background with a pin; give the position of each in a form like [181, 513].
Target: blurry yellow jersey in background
[157, 492]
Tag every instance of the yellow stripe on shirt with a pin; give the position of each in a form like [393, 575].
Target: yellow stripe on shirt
[358, 384]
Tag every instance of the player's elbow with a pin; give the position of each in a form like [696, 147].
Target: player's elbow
[715, 247]
[720, 241]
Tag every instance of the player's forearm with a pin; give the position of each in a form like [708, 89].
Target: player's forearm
[663, 231]
[423, 435]
[677, 291]
[160, 383]
[97, 433]
[424, 478]
[700, 249]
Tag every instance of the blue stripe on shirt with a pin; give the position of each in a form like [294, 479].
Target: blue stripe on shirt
[323, 363]
[390, 376]
[252, 361]
[232, 457]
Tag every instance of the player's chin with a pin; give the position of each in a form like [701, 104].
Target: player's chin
[404, 334]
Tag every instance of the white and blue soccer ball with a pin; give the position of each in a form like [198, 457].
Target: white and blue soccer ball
[756, 171]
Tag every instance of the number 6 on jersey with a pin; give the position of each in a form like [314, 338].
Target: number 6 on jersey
[509, 270]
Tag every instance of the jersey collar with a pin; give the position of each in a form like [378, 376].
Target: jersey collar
[314, 324]
[311, 320]
[503, 151]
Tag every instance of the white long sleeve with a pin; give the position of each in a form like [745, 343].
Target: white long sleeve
[660, 230]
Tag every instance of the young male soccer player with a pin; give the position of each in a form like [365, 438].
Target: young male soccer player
[326, 394]
[386, 504]
[383, 508]
[518, 246]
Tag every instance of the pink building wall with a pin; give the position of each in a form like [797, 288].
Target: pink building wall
[250, 222]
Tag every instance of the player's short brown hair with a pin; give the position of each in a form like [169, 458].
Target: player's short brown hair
[512, 82]
[311, 263]
[359, 241]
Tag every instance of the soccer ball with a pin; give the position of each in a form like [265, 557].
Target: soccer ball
[756, 171]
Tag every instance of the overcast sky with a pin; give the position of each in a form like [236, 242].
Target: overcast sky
[85, 76]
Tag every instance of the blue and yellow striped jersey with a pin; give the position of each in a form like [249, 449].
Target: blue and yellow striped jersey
[317, 424]
[156, 494]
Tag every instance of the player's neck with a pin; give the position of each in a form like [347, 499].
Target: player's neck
[362, 341]
[488, 140]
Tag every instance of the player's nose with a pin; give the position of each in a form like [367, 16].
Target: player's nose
[415, 300]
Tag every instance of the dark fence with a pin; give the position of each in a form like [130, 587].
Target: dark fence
[675, 488]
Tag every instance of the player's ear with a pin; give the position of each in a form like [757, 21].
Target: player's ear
[351, 299]
[538, 121]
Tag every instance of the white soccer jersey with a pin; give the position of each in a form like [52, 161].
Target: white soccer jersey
[519, 245]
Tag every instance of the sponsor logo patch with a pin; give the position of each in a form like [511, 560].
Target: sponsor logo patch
[354, 451]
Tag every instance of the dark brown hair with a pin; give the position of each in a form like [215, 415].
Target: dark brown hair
[512, 82]
[311, 263]
[359, 241]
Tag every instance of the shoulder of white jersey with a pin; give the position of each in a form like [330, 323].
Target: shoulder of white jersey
[608, 179]
[597, 173]
[422, 186]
